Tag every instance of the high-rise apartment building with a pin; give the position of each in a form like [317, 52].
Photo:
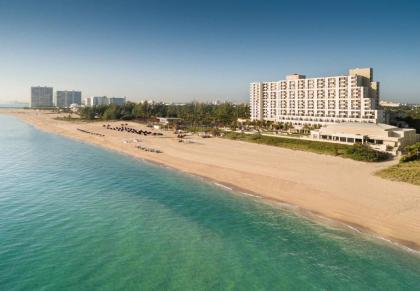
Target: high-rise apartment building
[66, 98]
[300, 100]
[41, 96]
[117, 100]
[99, 100]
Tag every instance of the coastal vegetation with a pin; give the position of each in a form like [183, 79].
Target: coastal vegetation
[356, 152]
[408, 169]
[412, 153]
[194, 114]
[408, 172]
[405, 115]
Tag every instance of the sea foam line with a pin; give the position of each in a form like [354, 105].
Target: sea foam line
[408, 249]
[249, 194]
[353, 228]
[223, 186]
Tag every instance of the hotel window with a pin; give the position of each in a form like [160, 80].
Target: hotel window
[343, 81]
[301, 84]
[355, 92]
[320, 93]
[331, 93]
[331, 82]
[353, 81]
[320, 83]
[310, 84]
[283, 85]
[320, 105]
[310, 94]
[301, 94]
[292, 85]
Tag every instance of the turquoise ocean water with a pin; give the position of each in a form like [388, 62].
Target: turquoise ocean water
[76, 217]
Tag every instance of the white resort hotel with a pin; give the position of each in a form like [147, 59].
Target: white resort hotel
[346, 106]
[300, 100]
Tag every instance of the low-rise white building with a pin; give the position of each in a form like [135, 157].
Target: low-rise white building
[74, 107]
[104, 100]
[168, 120]
[379, 136]
[384, 103]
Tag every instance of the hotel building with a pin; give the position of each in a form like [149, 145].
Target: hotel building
[66, 98]
[324, 100]
[41, 96]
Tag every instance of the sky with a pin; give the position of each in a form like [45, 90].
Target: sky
[178, 51]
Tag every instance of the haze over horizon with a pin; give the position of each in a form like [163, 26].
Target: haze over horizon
[177, 51]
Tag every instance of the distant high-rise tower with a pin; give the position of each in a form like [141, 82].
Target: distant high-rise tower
[117, 100]
[66, 98]
[41, 96]
[99, 100]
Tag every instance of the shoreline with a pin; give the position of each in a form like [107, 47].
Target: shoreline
[313, 214]
[316, 217]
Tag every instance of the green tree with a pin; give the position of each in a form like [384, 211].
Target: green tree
[112, 112]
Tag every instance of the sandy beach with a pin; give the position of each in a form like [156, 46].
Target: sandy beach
[340, 189]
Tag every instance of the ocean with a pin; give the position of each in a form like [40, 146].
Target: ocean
[77, 217]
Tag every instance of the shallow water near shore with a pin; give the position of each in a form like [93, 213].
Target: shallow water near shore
[76, 217]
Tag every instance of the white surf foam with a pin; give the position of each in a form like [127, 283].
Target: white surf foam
[249, 194]
[223, 186]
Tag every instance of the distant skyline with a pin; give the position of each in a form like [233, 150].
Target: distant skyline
[178, 51]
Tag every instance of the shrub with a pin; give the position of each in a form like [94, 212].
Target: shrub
[127, 116]
[412, 153]
[361, 152]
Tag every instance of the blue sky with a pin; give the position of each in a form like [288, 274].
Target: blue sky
[203, 50]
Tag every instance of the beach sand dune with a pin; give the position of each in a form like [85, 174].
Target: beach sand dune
[333, 187]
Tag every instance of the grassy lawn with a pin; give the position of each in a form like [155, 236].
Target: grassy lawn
[357, 152]
[404, 172]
